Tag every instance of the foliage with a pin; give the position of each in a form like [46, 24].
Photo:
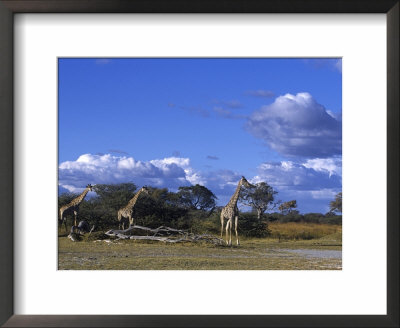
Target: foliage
[161, 208]
[336, 204]
[102, 209]
[196, 197]
[187, 209]
[115, 195]
[251, 226]
[295, 216]
[259, 198]
[288, 207]
[65, 198]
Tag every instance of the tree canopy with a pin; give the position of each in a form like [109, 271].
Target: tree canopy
[336, 204]
[259, 198]
[115, 195]
[287, 207]
[197, 197]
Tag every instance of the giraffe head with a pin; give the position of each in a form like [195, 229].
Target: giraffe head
[245, 183]
[90, 187]
[145, 190]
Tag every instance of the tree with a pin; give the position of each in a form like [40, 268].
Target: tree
[162, 205]
[287, 207]
[65, 198]
[196, 197]
[115, 195]
[101, 210]
[259, 198]
[336, 204]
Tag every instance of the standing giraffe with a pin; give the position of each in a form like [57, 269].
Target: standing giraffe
[126, 212]
[231, 211]
[73, 206]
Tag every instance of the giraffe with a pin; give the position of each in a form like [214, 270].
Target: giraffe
[73, 206]
[231, 211]
[126, 212]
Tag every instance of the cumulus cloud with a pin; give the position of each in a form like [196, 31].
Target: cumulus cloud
[316, 179]
[88, 168]
[323, 194]
[331, 165]
[170, 172]
[260, 93]
[312, 183]
[296, 125]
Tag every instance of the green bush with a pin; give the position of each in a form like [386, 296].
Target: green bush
[336, 219]
[250, 226]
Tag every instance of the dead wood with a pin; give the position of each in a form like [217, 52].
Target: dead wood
[164, 234]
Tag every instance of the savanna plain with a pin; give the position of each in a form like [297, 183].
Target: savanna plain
[289, 246]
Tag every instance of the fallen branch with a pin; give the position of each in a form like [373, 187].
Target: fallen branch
[164, 234]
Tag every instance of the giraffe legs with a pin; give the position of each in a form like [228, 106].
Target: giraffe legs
[222, 224]
[236, 225]
[75, 216]
[122, 223]
[229, 228]
[62, 220]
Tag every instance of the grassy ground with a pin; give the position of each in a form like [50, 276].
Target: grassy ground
[305, 231]
[253, 254]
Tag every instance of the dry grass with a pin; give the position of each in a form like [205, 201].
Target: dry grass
[305, 231]
[252, 254]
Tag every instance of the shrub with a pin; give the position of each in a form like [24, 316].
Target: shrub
[250, 226]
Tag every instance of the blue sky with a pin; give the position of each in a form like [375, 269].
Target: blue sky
[174, 122]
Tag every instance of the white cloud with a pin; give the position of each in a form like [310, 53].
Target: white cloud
[332, 165]
[312, 183]
[172, 162]
[297, 126]
[323, 194]
[107, 168]
[288, 175]
[170, 172]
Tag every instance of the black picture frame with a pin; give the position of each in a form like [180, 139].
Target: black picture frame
[10, 7]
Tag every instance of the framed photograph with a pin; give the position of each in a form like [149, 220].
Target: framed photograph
[195, 156]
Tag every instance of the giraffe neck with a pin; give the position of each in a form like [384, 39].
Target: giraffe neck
[235, 197]
[80, 198]
[133, 201]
